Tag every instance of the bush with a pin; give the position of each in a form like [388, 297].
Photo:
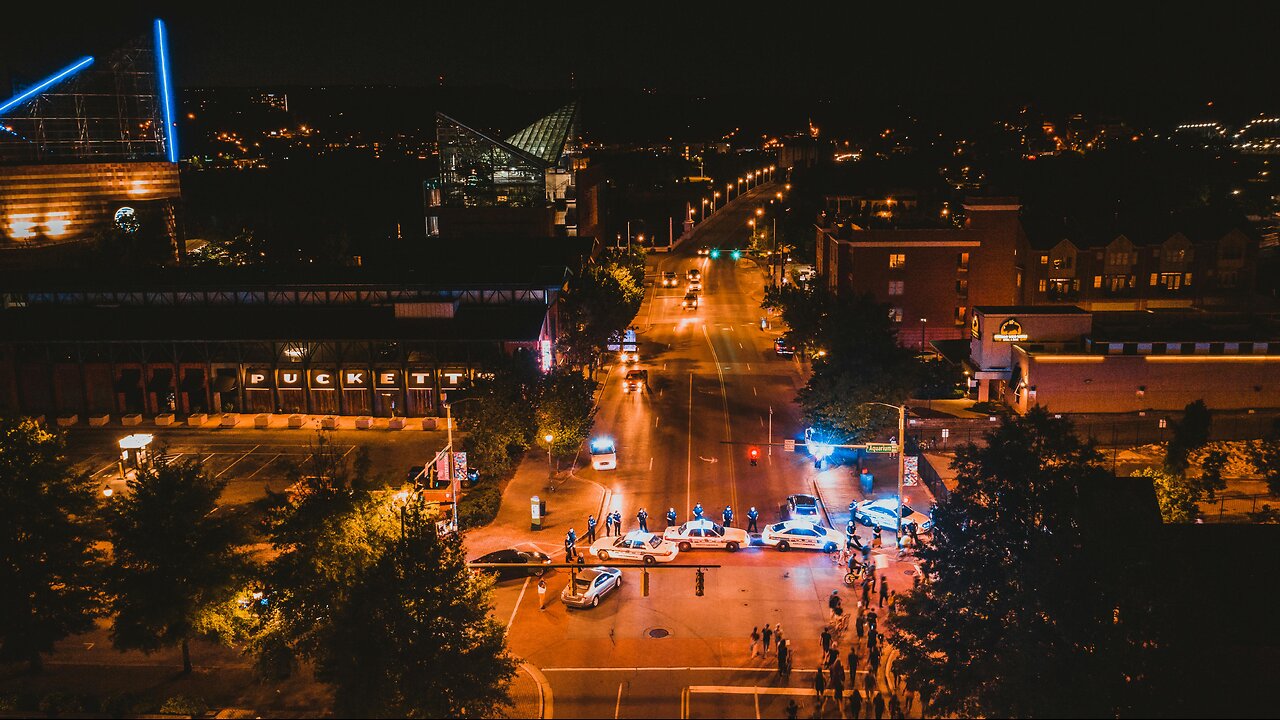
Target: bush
[60, 703]
[121, 704]
[183, 705]
[991, 408]
[480, 505]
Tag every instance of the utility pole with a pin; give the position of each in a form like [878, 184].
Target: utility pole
[770, 431]
[902, 464]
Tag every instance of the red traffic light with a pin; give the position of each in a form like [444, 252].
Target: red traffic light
[755, 452]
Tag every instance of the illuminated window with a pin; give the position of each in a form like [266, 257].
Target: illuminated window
[1155, 279]
[962, 286]
[895, 287]
[961, 311]
[1043, 285]
[1044, 259]
[1187, 280]
[897, 260]
[895, 314]
[962, 260]
[1097, 281]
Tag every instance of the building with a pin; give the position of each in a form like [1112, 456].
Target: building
[523, 185]
[1070, 360]
[932, 276]
[92, 150]
[354, 341]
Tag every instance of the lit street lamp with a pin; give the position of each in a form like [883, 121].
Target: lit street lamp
[551, 472]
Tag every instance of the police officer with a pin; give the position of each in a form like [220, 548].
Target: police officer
[875, 537]
[697, 511]
[570, 551]
[617, 522]
[727, 516]
[591, 528]
[752, 516]
[850, 535]
[643, 517]
[671, 517]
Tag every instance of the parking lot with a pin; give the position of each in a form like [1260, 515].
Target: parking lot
[251, 461]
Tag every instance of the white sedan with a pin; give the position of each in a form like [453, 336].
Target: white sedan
[801, 534]
[636, 545]
[706, 534]
[882, 514]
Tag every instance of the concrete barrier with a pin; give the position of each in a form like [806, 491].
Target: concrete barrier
[429, 423]
[262, 421]
[131, 419]
[164, 419]
[329, 422]
[395, 423]
[364, 422]
[229, 420]
[295, 421]
[68, 420]
[99, 420]
[197, 419]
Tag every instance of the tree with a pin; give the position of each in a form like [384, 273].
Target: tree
[1190, 433]
[566, 406]
[49, 581]
[1019, 615]
[1265, 456]
[804, 310]
[176, 564]
[1176, 494]
[500, 420]
[863, 363]
[601, 302]
[413, 636]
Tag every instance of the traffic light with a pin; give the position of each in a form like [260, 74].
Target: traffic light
[737, 254]
[754, 454]
[644, 582]
[715, 253]
[699, 583]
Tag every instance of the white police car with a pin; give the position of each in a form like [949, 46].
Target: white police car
[706, 534]
[882, 514]
[604, 454]
[636, 545]
[801, 534]
[590, 585]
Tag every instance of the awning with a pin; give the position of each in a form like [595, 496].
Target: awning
[224, 383]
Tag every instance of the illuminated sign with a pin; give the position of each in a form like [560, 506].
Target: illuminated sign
[322, 379]
[387, 378]
[1010, 331]
[973, 327]
[910, 471]
[420, 379]
[289, 378]
[355, 379]
[546, 355]
[255, 379]
[451, 378]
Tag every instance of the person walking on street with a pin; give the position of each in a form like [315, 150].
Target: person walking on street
[608, 524]
[591, 529]
[878, 705]
[755, 640]
[766, 635]
[850, 535]
[782, 658]
[875, 537]
[752, 516]
[872, 619]
[643, 517]
[833, 604]
[820, 686]
[884, 589]
[895, 707]
[727, 516]
[697, 511]
[860, 624]
[853, 663]
[837, 685]
[855, 700]
[873, 660]
[873, 638]
[793, 710]
[542, 594]
[893, 604]
[866, 589]
[826, 641]
[671, 517]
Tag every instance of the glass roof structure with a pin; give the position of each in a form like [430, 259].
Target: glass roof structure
[477, 170]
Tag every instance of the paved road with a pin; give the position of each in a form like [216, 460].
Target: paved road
[713, 380]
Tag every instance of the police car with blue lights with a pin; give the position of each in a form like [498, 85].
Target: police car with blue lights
[882, 514]
[636, 545]
[707, 534]
[604, 454]
[801, 534]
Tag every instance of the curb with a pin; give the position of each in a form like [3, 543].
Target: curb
[545, 698]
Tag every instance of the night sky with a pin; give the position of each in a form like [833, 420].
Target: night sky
[1126, 61]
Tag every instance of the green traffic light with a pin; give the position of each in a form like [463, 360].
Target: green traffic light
[737, 254]
[715, 254]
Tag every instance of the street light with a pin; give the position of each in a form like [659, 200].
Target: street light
[705, 201]
[714, 196]
[454, 485]
[550, 469]
[902, 457]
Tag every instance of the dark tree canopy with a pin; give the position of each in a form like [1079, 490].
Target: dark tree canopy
[49, 566]
[176, 565]
[1019, 615]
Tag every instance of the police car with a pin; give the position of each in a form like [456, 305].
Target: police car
[706, 534]
[604, 454]
[636, 545]
[802, 507]
[801, 534]
[590, 585]
[882, 514]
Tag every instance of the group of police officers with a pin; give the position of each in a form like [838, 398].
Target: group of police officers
[613, 524]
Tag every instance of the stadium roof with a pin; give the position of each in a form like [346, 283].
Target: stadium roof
[545, 139]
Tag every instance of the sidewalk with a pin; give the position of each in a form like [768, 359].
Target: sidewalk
[569, 499]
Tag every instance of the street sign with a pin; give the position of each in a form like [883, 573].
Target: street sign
[789, 445]
[881, 447]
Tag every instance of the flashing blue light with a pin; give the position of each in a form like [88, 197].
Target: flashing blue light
[821, 450]
[166, 92]
[602, 444]
[47, 83]
[715, 253]
[737, 254]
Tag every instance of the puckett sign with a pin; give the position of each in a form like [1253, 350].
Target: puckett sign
[1010, 331]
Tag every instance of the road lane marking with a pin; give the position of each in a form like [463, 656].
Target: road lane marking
[739, 346]
[255, 472]
[688, 459]
[756, 695]
[617, 708]
[761, 419]
[753, 391]
[756, 690]
[516, 609]
[748, 367]
[728, 427]
[651, 464]
[233, 463]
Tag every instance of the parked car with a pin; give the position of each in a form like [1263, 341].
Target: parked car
[707, 534]
[636, 545]
[590, 585]
[801, 534]
[802, 507]
[531, 562]
[882, 513]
